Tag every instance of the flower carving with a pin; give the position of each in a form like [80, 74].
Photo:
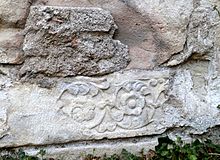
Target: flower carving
[79, 112]
[131, 98]
[131, 107]
[132, 103]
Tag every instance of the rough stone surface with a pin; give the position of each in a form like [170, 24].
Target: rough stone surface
[11, 41]
[75, 103]
[72, 41]
[169, 21]
[201, 39]
[13, 13]
[153, 29]
[120, 105]
[77, 151]
[126, 104]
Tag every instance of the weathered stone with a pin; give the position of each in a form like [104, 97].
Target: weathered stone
[168, 21]
[4, 106]
[195, 100]
[201, 41]
[63, 41]
[154, 30]
[13, 13]
[78, 151]
[128, 109]
[11, 41]
[119, 105]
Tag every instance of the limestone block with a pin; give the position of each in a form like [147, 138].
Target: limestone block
[62, 41]
[119, 105]
[13, 13]
[4, 106]
[202, 36]
[78, 151]
[68, 53]
[11, 41]
[197, 110]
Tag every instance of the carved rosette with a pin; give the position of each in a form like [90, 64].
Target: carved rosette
[107, 106]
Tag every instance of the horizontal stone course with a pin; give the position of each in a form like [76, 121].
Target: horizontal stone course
[63, 41]
[119, 105]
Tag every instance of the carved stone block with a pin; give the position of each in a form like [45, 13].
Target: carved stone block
[63, 41]
[119, 105]
[128, 103]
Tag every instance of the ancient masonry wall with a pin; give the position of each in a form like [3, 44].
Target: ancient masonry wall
[79, 75]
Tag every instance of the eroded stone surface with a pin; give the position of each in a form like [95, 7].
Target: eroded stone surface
[13, 13]
[168, 21]
[66, 42]
[119, 105]
[154, 30]
[11, 41]
[63, 41]
[76, 151]
[4, 128]
[201, 41]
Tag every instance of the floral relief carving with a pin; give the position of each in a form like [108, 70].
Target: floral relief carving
[4, 128]
[107, 106]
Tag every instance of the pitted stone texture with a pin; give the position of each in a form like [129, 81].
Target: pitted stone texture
[118, 105]
[192, 88]
[78, 151]
[154, 30]
[63, 41]
[11, 41]
[13, 13]
[202, 40]
[4, 106]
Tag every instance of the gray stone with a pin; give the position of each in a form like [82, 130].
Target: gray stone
[78, 151]
[4, 106]
[119, 105]
[62, 41]
[13, 13]
[197, 110]
[154, 30]
[11, 41]
[66, 112]
[201, 41]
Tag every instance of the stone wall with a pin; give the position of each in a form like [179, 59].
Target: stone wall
[79, 75]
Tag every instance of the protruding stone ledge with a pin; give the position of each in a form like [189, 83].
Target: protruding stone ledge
[78, 151]
[73, 19]
[64, 41]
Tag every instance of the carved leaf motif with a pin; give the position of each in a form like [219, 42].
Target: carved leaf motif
[4, 128]
[84, 88]
[132, 107]
[117, 115]
[131, 99]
